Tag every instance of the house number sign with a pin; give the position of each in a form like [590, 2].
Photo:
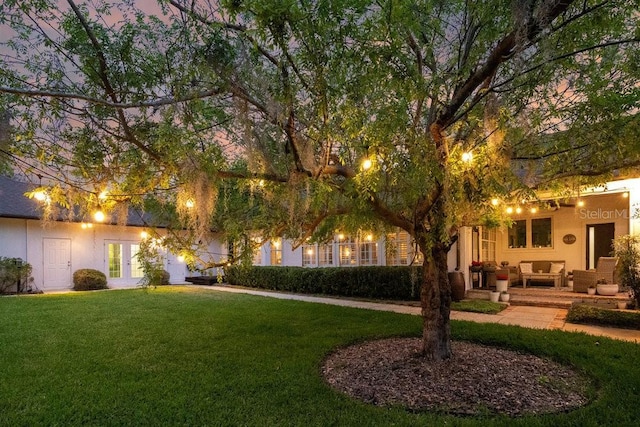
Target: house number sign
[569, 239]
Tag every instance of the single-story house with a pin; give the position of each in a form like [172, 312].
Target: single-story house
[56, 249]
[576, 231]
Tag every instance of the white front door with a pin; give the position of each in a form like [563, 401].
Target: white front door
[122, 265]
[57, 263]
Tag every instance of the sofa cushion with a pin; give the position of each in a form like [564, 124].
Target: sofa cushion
[526, 267]
[556, 267]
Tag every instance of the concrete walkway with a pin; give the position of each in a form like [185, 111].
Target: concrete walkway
[525, 316]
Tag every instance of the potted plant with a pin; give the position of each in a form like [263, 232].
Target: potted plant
[627, 249]
[504, 296]
[494, 296]
[502, 282]
[591, 290]
[604, 288]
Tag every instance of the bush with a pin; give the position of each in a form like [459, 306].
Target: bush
[391, 283]
[12, 271]
[88, 279]
[586, 314]
[158, 277]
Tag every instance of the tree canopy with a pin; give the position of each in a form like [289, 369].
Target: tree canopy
[294, 118]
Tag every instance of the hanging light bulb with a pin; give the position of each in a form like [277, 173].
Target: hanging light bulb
[99, 216]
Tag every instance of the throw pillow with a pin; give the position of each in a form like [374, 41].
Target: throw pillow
[556, 267]
[526, 267]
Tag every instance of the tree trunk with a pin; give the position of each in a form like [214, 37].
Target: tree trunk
[435, 299]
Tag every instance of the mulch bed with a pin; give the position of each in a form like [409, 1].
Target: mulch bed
[477, 379]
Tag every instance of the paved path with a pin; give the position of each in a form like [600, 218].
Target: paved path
[526, 316]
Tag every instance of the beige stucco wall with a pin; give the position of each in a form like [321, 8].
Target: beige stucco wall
[598, 209]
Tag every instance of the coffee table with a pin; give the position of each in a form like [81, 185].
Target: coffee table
[556, 277]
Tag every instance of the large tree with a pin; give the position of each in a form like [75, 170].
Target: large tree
[296, 118]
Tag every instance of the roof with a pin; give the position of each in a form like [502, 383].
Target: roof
[14, 204]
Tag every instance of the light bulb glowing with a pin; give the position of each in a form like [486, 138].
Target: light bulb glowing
[99, 216]
[144, 234]
[625, 194]
[534, 210]
[340, 236]
[180, 258]
[309, 251]
[509, 210]
[518, 210]
[495, 202]
[102, 195]
[366, 164]
[369, 237]
[580, 203]
[467, 156]
[189, 203]
[41, 196]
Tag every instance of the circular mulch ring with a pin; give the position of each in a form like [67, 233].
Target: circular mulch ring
[476, 380]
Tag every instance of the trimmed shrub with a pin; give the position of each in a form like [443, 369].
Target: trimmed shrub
[586, 314]
[88, 279]
[379, 282]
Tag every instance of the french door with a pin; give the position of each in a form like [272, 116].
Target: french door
[122, 264]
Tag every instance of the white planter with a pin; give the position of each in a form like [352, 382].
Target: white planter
[494, 296]
[622, 305]
[505, 297]
[591, 291]
[608, 289]
[502, 285]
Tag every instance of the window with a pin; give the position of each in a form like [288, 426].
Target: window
[538, 235]
[398, 248]
[541, 233]
[309, 255]
[347, 251]
[488, 244]
[368, 253]
[276, 252]
[136, 266]
[517, 234]
[115, 260]
[325, 254]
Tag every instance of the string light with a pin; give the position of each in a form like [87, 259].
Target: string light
[366, 164]
[467, 156]
[99, 216]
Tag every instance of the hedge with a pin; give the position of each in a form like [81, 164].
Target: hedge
[586, 314]
[390, 283]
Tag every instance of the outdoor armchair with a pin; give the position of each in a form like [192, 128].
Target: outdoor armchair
[605, 269]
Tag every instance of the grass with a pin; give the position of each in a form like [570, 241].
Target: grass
[185, 356]
[478, 306]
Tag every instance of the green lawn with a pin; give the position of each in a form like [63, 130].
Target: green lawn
[186, 356]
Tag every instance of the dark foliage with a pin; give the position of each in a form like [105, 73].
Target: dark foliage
[88, 279]
[390, 283]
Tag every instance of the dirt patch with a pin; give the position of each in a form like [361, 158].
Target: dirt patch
[476, 380]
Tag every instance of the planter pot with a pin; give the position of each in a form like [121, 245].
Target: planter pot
[494, 296]
[505, 297]
[456, 280]
[622, 305]
[502, 285]
[591, 291]
[609, 289]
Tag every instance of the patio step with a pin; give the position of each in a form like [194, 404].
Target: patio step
[556, 298]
